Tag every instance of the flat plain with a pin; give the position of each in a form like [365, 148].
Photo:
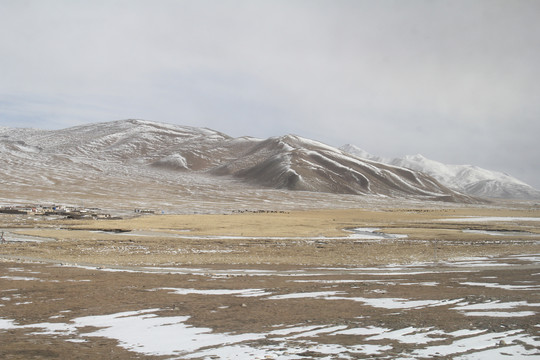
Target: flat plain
[437, 281]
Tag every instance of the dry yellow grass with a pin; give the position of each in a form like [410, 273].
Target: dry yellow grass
[302, 237]
[299, 223]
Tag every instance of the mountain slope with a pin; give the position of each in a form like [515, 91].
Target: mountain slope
[297, 163]
[471, 180]
[120, 153]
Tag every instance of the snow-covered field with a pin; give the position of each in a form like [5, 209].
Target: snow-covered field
[369, 301]
[147, 333]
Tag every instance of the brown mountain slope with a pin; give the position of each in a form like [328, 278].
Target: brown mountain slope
[142, 151]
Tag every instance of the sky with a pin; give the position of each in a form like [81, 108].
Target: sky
[456, 81]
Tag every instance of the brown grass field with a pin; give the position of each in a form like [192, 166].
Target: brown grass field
[449, 289]
[292, 238]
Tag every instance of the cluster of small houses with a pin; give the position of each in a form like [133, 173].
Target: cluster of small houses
[69, 212]
[259, 212]
[144, 211]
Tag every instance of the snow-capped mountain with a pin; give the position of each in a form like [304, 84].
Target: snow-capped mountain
[298, 163]
[471, 180]
[137, 155]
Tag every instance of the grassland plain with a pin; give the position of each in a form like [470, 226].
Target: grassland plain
[314, 237]
[454, 282]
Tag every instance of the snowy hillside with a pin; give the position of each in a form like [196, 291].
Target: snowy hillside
[135, 155]
[297, 163]
[468, 179]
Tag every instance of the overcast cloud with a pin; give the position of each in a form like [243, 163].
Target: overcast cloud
[457, 81]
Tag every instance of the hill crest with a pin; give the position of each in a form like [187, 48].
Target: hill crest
[127, 149]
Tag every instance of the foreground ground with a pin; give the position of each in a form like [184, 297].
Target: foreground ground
[337, 284]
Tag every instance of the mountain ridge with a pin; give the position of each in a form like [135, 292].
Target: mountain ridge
[469, 179]
[124, 150]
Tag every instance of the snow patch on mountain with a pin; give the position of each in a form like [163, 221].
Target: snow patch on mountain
[361, 153]
[174, 161]
[469, 179]
[115, 155]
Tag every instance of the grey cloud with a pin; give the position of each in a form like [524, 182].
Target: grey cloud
[449, 79]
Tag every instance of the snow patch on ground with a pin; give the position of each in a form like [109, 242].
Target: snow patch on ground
[147, 333]
[499, 233]
[482, 342]
[309, 295]
[487, 309]
[490, 219]
[373, 234]
[20, 278]
[502, 286]
[396, 303]
[239, 293]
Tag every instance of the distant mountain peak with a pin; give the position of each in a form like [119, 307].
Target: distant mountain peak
[416, 157]
[469, 179]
